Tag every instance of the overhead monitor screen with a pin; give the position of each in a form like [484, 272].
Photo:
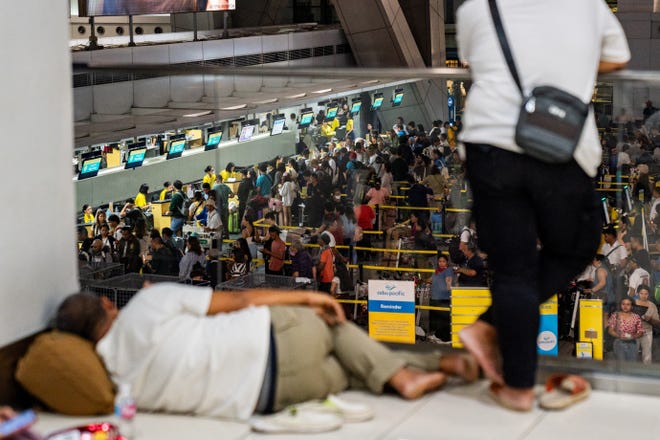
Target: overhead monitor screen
[213, 140]
[176, 149]
[331, 113]
[89, 8]
[306, 117]
[89, 168]
[378, 101]
[135, 157]
[278, 126]
[246, 132]
[355, 108]
[398, 97]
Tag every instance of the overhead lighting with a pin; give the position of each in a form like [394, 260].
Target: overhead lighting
[234, 107]
[321, 92]
[297, 96]
[198, 114]
[266, 101]
[371, 81]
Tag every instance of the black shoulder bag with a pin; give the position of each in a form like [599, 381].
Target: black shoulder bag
[551, 120]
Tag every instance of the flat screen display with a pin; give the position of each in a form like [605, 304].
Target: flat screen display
[89, 8]
[398, 97]
[278, 126]
[135, 157]
[89, 168]
[378, 101]
[331, 113]
[306, 117]
[246, 133]
[355, 108]
[213, 140]
[176, 148]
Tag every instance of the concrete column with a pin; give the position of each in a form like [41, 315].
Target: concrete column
[37, 256]
[380, 36]
[642, 29]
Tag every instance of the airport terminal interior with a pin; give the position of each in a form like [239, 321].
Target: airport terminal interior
[306, 146]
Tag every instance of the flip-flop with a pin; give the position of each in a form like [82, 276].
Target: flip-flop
[493, 392]
[564, 390]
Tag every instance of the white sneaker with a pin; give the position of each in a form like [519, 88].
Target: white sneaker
[293, 420]
[350, 412]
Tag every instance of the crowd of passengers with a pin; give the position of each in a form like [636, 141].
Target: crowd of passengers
[339, 190]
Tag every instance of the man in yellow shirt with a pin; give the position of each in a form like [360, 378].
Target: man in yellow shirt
[327, 130]
[166, 193]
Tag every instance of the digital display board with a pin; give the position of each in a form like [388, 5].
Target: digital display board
[398, 97]
[355, 107]
[213, 140]
[247, 131]
[89, 168]
[306, 117]
[278, 126]
[378, 101]
[90, 8]
[135, 157]
[176, 148]
[331, 113]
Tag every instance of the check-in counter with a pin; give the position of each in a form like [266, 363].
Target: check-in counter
[114, 184]
[158, 210]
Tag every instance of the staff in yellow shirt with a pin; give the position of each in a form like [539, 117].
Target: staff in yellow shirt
[209, 177]
[88, 214]
[141, 197]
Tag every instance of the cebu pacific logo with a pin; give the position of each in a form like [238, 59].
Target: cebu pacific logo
[546, 341]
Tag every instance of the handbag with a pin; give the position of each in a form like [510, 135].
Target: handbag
[551, 120]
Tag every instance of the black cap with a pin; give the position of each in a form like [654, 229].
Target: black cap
[274, 228]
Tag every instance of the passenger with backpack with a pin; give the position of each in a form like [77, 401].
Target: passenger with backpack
[177, 208]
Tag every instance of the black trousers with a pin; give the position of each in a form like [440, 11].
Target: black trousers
[440, 320]
[518, 202]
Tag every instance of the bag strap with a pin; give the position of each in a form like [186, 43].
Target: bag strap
[504, 44]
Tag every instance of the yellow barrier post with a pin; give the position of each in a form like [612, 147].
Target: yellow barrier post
[468, 303]
[591, 326]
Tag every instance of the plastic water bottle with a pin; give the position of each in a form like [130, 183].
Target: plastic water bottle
[125, 410]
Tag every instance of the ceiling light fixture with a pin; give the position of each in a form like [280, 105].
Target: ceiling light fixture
[198, 114]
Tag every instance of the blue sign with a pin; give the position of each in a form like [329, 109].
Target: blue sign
[450, 101]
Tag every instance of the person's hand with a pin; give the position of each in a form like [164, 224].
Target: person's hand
[327, 308]
[6, 413]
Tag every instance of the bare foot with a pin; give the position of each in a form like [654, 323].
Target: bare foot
[463, 365]
[412, 384]
[516, 399]
[480, 339]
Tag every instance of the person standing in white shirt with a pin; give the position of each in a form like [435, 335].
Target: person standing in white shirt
[519, 200]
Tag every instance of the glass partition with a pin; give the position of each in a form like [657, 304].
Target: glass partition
[429, 103]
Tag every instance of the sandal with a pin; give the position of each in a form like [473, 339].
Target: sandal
[564, 390]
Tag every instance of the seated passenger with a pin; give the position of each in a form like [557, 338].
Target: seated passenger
[189, 349]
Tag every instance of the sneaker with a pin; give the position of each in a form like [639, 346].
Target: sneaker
[293, 420]
[350, 412]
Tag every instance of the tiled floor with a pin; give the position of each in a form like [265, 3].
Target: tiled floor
[458, 412]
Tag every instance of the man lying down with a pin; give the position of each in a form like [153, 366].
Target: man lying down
[189, 349]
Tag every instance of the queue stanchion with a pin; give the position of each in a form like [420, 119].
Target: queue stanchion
[361, 272]
[378, 217]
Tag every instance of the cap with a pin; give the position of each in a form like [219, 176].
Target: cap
[274, 228]
[329, 238]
